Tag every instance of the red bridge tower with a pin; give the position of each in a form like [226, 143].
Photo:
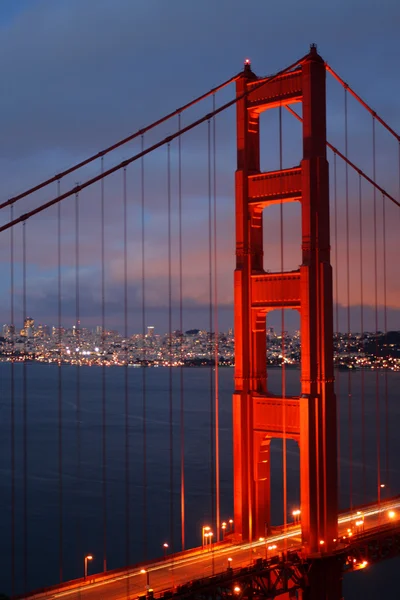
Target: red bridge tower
[259, 416]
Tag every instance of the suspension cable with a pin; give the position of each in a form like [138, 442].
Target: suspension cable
[377, 399]
[60, 395]
[144, 354]
[103, 374]
[364, 104]
[335, 203]
[126, 383]
[385, 329]
[78, 372]
[171, 424]
[360, 214]
[284, 442]
[216, 330]
[349, 388]
[12, 407]
[182, 399]
[210, 326]
[24, 422]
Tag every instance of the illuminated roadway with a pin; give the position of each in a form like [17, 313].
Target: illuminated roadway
[164, 575]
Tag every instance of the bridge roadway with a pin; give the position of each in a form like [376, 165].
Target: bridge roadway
[198, 563]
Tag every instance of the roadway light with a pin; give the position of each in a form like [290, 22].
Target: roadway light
[144, 571]
[236, 589]
[165, 546]
[230, 563]
[87, 558]
[391, 514]
[204, 529]
[296, 515]
[321, 542]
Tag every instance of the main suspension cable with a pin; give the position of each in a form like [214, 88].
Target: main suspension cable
[346, 160]
[118, 144]
[361, 101]
[150, 149]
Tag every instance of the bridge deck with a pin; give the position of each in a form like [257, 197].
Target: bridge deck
[196, 564]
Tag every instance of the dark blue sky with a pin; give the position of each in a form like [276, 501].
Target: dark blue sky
[79, 74]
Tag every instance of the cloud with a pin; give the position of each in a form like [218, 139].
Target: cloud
[80, 75]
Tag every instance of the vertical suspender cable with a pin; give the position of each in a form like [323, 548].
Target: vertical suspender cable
[385, 329]
[171, 430]
[349, 388]
[337, 309]
[78, 374]
[216, 332]
[60, 398]
[24, 421]
[12, 400]
[182, 399]
[103, 375]
[144, 373]
[210, 312]
[126, 383]
[284, 445]
[377, 399]
[364, 479]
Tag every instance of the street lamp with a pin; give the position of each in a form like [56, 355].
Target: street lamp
[165, 546]
[87, 558]
[208, 538]
[144, 571]
[230, 563]
[270, 549]
[223, 526]
[296, 515]
[230, 524]
[204, 531]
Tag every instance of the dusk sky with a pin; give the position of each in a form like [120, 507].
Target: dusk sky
[77, 75]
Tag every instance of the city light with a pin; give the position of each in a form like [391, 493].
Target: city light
[79, 345]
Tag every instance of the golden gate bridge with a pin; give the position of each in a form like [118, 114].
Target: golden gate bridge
[304, 558]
